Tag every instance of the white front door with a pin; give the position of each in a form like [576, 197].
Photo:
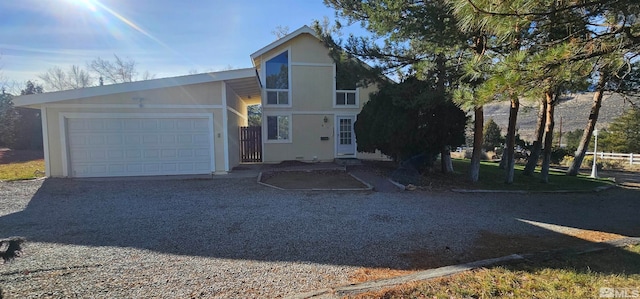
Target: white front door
[345, 136]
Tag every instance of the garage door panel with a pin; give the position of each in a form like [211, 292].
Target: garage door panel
[184, 124]
[132, 139]
[113, 139]
[185, 153]
[113, 124]
[150, 139]
[135, 168]
[95, 140]
[131, 124]
[201, 153]
[117, 168]
[151, 154]
[116, 154]
[149, 124]
[166, 124]
[139, 146]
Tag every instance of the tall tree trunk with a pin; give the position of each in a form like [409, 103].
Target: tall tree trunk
[537, 144]
[476, 156]
[445, 153]
[591, 125]
[550, 98]
[511, 139]
[445, 159]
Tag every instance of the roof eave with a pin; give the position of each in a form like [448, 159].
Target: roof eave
[302, 30]
[35, 100]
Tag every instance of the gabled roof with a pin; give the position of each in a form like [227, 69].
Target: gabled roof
[50, 97]
[302, 30]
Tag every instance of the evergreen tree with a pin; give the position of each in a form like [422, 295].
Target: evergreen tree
[405, 119]
[492, 136]
[29, 126]
[623, 134]
[8, 119]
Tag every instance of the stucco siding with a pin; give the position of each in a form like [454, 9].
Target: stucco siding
[307, 145]
[364, 93]
[236, 118]
[308, 49]
[312, 88]
[195, 94]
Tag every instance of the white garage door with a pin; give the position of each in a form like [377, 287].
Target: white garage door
[106, 147]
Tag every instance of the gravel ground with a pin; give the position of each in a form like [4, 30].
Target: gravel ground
[232, 238]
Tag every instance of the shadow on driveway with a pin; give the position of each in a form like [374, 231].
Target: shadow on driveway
[238, 219]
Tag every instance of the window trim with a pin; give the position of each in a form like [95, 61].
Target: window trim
[265, 128]
[264, 78]
[277, 91]
[356, 92]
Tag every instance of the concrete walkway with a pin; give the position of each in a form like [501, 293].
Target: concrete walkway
[379, 182]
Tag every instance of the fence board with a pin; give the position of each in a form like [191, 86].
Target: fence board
[633, 159]
[251, 144]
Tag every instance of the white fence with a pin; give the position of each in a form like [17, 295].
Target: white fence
[633, 159]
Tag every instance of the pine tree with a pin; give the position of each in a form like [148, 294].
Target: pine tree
[492, 136]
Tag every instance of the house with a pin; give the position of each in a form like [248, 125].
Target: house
[192, 124]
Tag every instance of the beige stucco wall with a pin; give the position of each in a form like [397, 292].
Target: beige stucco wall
[198, 94]
[312, 88]
[304, 49]
[365, 92]
[307, 129]
[234, 121]
[308, 49]
[195, 94]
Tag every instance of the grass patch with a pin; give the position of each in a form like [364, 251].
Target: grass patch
[563, 276]
[22, 170]
[492, 178]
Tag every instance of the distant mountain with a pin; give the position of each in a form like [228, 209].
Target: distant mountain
[573, 110]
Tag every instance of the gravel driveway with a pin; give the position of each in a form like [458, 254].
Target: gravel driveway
[232, 238]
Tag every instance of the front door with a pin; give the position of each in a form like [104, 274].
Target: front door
[345, 136]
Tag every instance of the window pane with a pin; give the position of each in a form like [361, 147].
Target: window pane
[277, 69]
[351, 98]
[283, 127]
[345, 131]
[278, 127]
[272, 97]
[272, 127]
[283, 97]
[340, 98]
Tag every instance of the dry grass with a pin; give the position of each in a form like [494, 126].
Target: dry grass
[369, 274]
[565, 276]
[22, 170]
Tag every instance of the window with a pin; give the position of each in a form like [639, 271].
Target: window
[345, 131]
[277, 76]
[346, 98]
[278, 127]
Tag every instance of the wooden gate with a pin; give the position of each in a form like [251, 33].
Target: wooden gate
[251, 144]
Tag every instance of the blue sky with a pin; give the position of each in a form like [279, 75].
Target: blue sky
[165, 37]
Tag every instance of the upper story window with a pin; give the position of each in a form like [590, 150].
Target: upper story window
[346, 98]
[277, 76]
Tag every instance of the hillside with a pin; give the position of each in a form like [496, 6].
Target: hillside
[573, 110]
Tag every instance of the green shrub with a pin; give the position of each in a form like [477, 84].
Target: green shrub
[558, 154]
